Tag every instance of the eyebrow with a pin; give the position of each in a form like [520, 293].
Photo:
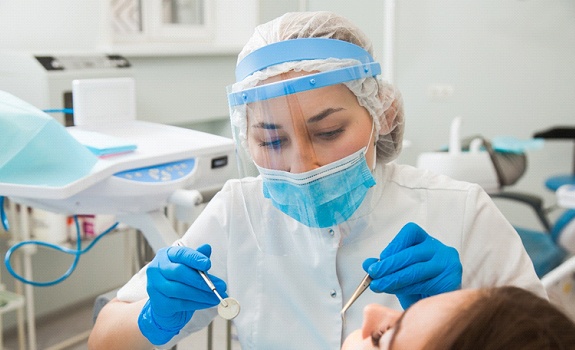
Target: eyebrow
[316, 118]
[323, 114]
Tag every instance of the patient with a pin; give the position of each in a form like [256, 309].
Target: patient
[494, 318]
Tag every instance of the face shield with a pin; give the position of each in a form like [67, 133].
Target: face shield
[298, 123]
[284, 118]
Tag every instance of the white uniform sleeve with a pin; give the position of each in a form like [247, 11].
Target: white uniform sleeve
[491, 250]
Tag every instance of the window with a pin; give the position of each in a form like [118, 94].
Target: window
[178, 27]
[161, 20]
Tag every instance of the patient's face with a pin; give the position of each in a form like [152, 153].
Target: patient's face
[411, 329]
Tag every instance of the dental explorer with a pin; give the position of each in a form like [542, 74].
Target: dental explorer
[358, 291]
[228, 308]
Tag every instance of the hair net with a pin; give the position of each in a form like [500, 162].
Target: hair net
[381, 99]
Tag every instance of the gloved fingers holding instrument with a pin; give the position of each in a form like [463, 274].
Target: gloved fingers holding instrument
[414, 266]
[176, 290]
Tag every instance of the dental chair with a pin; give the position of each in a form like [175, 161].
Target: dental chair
[547, 248]
[552, 250]
[561, 233]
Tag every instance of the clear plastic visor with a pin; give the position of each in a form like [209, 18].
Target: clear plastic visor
[297, 130]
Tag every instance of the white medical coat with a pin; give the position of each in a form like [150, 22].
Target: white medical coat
[292, 280]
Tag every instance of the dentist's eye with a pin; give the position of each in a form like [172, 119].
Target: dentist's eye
[329, 135]
[272, 144]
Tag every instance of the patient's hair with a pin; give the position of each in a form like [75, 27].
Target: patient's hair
[507, 318]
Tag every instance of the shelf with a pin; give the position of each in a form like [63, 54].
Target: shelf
[171, 49]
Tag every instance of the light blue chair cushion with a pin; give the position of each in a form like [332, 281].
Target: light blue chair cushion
[544, 253]
[554, 182]
[561, 223]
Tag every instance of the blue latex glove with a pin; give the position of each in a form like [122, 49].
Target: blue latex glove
[414, 266]
[176, 290]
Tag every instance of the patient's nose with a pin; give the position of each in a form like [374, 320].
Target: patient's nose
[378, 318]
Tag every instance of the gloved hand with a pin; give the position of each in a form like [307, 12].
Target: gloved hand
[414, 266]
[176, 290]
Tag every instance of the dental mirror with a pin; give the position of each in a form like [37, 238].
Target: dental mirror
[229, 308]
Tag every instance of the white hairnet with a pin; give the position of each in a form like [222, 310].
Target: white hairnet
[381, 99]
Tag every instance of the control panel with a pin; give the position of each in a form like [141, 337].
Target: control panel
[160, 173]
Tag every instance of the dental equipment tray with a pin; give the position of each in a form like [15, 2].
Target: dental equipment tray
[166, 158]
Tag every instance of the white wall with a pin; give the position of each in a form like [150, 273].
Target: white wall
[50, 25]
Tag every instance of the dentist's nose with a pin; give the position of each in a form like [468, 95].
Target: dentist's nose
[303, 157]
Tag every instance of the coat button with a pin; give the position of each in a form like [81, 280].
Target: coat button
[331, 232]
[333, 293]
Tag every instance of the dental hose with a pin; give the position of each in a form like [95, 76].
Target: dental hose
[76, 252]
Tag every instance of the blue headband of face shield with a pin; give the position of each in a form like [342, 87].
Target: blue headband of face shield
[299, 50]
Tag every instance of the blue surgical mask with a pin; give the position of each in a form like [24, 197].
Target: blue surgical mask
[322, 197]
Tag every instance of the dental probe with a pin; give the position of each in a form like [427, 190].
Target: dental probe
[358, 291]
[208, 282]
[213, 288]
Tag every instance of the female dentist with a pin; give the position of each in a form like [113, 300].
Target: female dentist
[312, 115]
